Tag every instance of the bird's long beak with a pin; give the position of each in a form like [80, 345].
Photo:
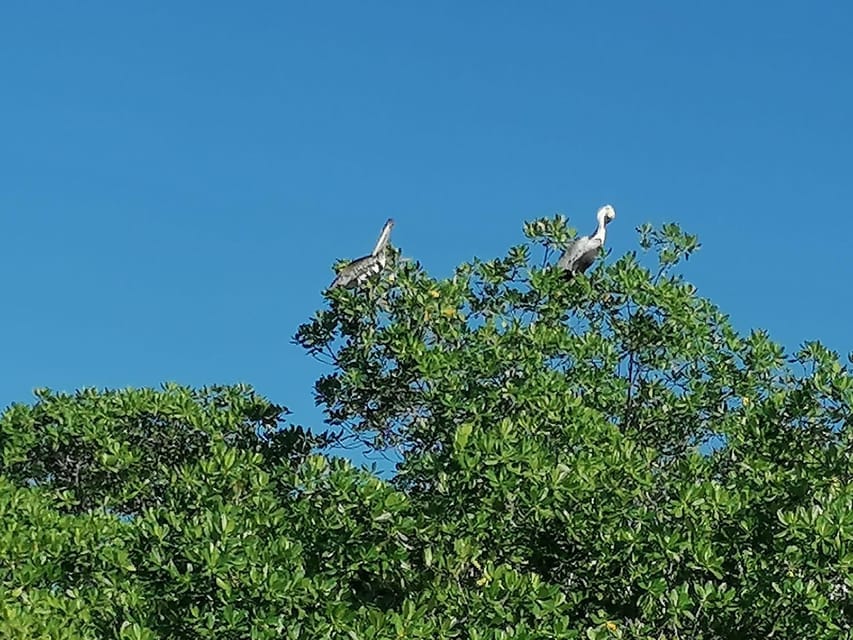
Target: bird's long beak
[384, 236]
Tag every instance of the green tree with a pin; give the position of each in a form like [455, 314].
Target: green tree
[601, 458]
[613, 436]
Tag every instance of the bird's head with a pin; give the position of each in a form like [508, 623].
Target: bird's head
[606, 214]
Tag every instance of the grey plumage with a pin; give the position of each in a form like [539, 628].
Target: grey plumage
[361, 269]
[581, 253]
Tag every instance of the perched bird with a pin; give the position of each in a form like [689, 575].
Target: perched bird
[581, 253]
[360, 270]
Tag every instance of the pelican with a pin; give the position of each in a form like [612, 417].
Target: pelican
[361, 269]
[581, 253]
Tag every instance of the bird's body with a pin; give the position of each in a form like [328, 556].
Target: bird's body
[581, 253]
[362, 268]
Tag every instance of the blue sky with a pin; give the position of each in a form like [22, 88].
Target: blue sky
[177, 178]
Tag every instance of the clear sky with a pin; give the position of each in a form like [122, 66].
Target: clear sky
[177, 178]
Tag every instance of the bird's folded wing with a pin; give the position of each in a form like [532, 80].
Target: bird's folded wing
[356, 271]
[572, 255]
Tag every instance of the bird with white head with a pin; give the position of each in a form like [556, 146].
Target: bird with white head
[581, 253]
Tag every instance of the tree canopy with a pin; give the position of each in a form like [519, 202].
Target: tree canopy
[601, 458]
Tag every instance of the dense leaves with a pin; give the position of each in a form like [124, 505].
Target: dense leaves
[600, 458]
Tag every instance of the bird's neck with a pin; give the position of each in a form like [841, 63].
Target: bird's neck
[600, 230]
